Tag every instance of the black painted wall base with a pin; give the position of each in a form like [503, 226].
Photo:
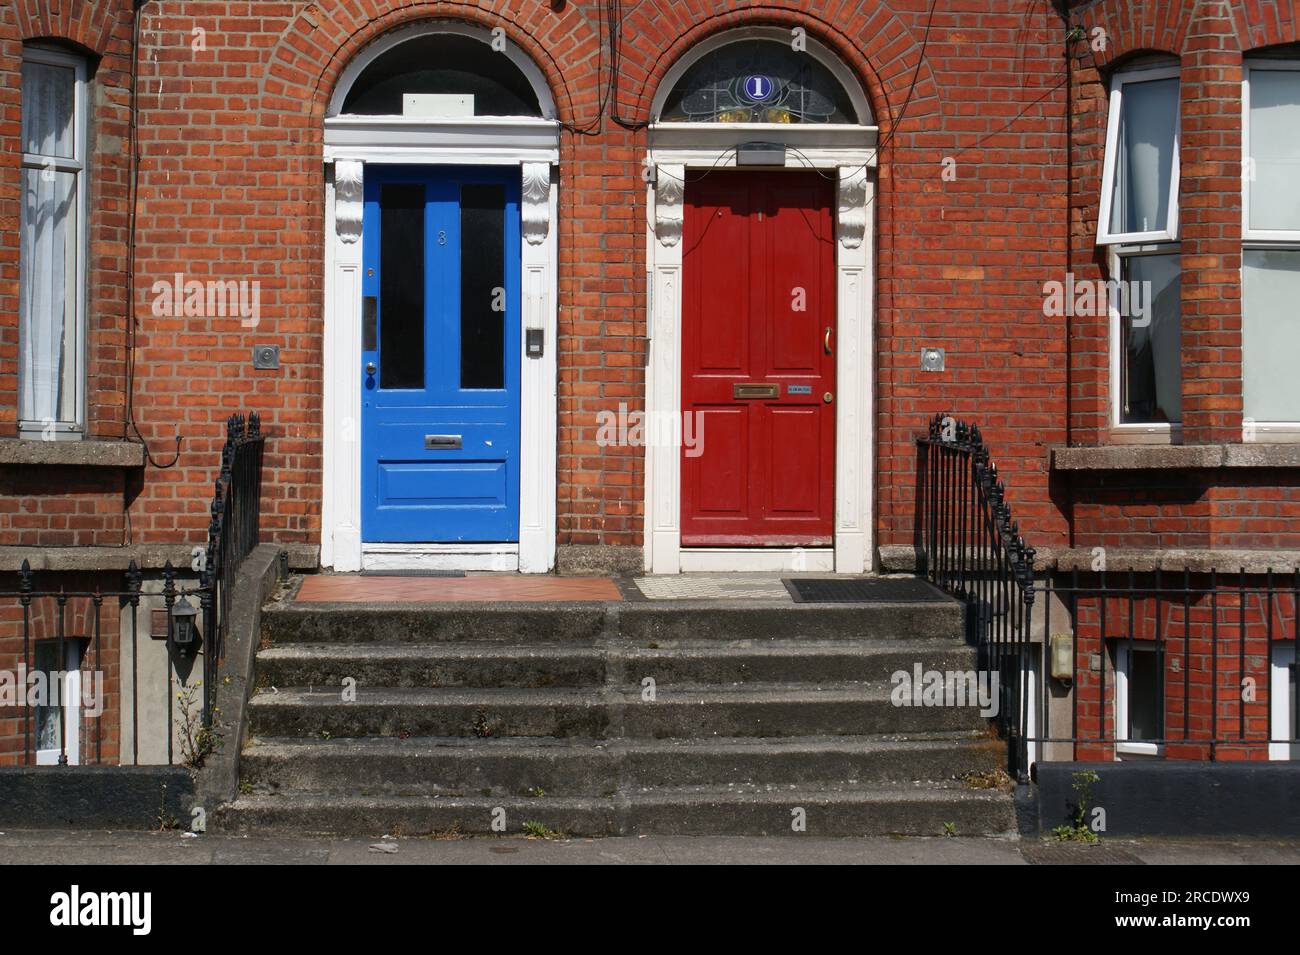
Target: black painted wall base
[95, 797]
[1173, 798]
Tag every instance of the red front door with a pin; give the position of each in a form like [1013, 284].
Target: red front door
[758, 365]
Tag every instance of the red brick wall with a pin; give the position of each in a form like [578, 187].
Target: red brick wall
[1187, 509]
[231, 187]
[61, 506]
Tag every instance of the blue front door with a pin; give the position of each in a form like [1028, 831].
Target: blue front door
[440, 355]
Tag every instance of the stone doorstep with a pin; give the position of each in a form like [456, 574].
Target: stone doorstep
[302, 557]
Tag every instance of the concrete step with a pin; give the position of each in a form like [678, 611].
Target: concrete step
[678, 711]
[506, 768]
[565, 665]
[647, 624]
[416, 665]
[928, 810]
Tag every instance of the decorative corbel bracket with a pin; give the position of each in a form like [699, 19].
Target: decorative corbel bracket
[536, 212]
[349, 190]
[670, 186]
[851, 218]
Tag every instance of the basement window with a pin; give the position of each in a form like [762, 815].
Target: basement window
[52, 246]
[1284, 731]
[57, 719]
[1139, 707]
[1270, 267]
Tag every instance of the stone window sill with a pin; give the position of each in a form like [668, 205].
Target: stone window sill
[81, 454]
[1187, 457]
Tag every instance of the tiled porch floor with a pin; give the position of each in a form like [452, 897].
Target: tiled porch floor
[492, 587]
[496, 588]
[353, 588]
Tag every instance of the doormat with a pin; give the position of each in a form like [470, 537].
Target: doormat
[413, 573]
[862, 590]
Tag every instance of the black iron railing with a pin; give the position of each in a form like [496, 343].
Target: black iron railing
[1176, 664]
[60, 674]
[1097, 665]
[971, 547]
[61, 633]
[233, 531]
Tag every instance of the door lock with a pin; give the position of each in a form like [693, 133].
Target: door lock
[828, 397]
[370, 368]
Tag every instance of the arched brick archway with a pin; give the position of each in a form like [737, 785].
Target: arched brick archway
[72, 20]
[1265, 23]
[1133, 28]
[302, 82]
[309, 59]
[844, 153]
[881, 51]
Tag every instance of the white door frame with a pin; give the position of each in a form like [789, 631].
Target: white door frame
[351, 143]
[847, 153]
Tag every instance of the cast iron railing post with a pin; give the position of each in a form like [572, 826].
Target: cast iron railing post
[25, 589]
[169, 599]
[59, 676]
[133, 584]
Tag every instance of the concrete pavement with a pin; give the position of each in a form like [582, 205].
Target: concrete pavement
[172, 848]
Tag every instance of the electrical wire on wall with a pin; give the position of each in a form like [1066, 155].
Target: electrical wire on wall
[128, 419]
[1072, 36]
[614, 15]
[133, 189]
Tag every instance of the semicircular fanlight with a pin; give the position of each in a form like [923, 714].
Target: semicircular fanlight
[758, 81]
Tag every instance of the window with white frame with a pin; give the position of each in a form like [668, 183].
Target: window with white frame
[1139, 699]
[51, 390]
[1270, 263]
[1138, 225]
[1283, 733]
[58, 716]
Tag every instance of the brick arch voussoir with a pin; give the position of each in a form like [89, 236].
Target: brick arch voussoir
[89, 25]
[1266, 23]
[306, 64]
[1136, 26]
[881, 51]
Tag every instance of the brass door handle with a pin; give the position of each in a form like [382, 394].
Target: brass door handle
[826, 342]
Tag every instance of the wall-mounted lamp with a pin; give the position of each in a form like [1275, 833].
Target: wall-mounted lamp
[1062, 651]
[184, 625]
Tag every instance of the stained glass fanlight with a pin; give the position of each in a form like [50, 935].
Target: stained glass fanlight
[758, 81]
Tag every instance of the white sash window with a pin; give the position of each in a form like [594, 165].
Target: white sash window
[51, 395]
[1138, 224]
[1270, 263]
